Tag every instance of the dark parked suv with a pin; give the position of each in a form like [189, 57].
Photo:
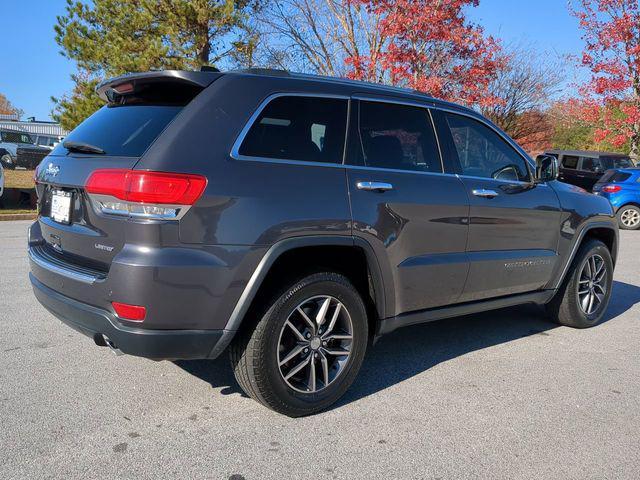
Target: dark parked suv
[584, 168]
[294, 219]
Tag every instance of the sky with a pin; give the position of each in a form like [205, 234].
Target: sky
[32, 69]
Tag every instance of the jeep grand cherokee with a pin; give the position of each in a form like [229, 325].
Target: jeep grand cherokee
[293, 219]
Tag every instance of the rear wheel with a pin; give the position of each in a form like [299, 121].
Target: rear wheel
[307, 348]
[584, 296]
[629, 217]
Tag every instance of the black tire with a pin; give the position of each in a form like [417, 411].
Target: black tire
[7, 161]
[254, 353]
[629, 217]
[565, 307]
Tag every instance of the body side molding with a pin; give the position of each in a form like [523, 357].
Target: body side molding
[424, 316]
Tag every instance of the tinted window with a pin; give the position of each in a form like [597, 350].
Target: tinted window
[570, 161]
[122, 130]
[592, 164]
[620, 177]
[483, 153]
[619, 162]
[16, 137]
[310, 129]
[398, 136]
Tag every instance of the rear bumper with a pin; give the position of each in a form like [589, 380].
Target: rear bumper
[155, 344]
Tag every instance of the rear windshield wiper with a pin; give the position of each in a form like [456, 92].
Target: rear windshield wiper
[82, 147]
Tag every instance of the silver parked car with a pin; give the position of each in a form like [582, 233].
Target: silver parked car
[9, 142]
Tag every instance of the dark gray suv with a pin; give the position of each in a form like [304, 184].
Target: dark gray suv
[293, 219]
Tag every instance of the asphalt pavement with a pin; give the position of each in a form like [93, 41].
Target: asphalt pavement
[503, 394]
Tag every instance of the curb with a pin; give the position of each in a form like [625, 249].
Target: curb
[18, 216]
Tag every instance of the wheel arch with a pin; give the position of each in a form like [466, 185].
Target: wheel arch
[625, 204]
[289, 258]
[603, 231]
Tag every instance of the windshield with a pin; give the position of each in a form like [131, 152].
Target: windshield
[16, 137]
[122, 130]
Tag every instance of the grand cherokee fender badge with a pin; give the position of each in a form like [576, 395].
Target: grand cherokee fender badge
[527, 264]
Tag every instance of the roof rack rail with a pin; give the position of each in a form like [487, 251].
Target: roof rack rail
[350, 81]
[263, 71]
[209, 68]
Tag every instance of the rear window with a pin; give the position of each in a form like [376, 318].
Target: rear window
[615, 177]
[310, 129]
[123, 130]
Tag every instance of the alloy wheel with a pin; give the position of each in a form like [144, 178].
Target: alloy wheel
[630, 218]
[315, 344]
[592, 285]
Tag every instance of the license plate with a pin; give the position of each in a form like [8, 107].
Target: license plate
[61, 206]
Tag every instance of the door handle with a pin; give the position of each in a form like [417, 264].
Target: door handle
[481, 192]
[374, 186]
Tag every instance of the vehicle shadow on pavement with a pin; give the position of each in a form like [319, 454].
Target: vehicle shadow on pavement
[216, 372]
[413, 350]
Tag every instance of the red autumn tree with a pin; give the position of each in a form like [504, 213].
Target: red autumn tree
[432, 47]
[612, 54]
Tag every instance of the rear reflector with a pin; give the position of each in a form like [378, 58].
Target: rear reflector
[611, 188]
[138, 186]
[133, 313]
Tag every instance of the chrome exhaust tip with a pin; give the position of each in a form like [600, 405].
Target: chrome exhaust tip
[116, 351]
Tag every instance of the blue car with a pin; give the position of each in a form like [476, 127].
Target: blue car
[622, 187]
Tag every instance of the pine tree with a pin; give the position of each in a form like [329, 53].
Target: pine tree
[112, 37]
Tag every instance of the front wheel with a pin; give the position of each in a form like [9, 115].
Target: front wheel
[629, 217]
[307, 349]
[7, 162]
[585, 293]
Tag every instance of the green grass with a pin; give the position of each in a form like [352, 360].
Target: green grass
[18, 179]
[14, 211]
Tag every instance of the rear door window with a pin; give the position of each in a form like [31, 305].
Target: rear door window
[308, 129]
[122, 130]
[592, 164]
[397, 137]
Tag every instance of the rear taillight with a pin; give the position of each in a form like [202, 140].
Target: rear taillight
[133, 313]
[611, 188]
[139, 193]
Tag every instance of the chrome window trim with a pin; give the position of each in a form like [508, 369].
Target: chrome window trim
[342, 164]
[235, 150]
[396, 170]
[509, 182]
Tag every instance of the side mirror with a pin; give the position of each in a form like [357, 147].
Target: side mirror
[546, 168]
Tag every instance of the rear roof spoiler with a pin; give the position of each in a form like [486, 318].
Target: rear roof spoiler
[196, 79]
